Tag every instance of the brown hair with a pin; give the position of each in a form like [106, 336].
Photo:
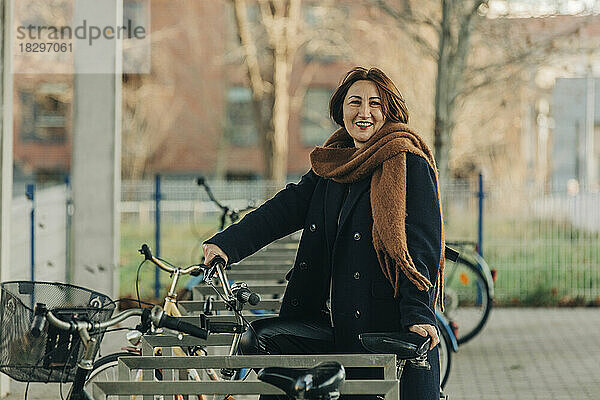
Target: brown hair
[393, 105]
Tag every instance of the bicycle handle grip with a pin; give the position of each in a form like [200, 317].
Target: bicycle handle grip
[184, 327]
[245, 295]
[39, 320]
[212, 270]
[145, 250]
[218, 260]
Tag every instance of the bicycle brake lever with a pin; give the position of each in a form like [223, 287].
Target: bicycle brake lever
[146, 323]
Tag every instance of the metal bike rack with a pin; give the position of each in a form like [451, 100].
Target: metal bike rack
[388, 386]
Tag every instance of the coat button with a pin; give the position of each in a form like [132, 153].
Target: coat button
[357, 275]
[303, 266]
[357, 314]
[295, 302]
[356, 235]
[313, 227]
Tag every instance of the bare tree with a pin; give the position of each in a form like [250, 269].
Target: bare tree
[154, 104]
[150, 109]
[270, 86]
[446, 32]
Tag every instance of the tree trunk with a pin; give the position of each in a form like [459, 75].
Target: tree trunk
[442, 125]
[281, 111]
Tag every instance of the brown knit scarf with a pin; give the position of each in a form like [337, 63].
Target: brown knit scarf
[383, 158]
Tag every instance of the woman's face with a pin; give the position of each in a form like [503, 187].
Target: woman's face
[362, 111]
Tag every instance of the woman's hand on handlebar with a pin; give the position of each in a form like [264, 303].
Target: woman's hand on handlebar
[211, 251]
[426, 330]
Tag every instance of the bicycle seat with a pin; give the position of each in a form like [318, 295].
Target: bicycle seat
[405, 345]
[319, 382]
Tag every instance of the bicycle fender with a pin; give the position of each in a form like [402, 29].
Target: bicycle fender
[487, 273]
[442, 323]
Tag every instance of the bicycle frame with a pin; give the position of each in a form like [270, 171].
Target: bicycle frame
[170, 307]
[170, 304]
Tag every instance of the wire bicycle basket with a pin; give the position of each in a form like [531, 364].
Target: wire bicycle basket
[53, 356]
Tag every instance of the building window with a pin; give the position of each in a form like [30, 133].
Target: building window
[44, 113]
[316, 124]
[240, 128]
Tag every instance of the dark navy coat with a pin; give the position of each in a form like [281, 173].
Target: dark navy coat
[362, 299]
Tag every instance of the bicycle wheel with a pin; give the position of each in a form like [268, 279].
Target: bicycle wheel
[445, 352]
[467, 298]
[105, 370]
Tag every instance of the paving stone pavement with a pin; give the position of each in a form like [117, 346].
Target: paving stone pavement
[521, 354]
[530, 354]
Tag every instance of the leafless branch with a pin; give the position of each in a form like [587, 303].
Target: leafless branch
[409, 23]
[534, 52]
[249, 47]
[293, 31]
[298, 96]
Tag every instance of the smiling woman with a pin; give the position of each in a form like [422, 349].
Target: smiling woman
[371, 254]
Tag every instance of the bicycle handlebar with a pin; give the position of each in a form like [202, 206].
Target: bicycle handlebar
[167, 321]
[195, 269]
[157, 316]
[233, 215]
[215, 265]
[202, 182]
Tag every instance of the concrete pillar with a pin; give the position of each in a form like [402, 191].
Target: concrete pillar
[6, 151]
[591, 166]
[96, 161]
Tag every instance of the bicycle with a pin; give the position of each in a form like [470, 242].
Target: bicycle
[447, 343]
[226, 212]
[57, 339]
[323, 381]
[236, 295]
[468, 292]
[228, 215]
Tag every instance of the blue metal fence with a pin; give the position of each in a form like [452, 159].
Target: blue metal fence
[541, 244]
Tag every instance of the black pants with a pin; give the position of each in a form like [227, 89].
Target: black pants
[285, 336]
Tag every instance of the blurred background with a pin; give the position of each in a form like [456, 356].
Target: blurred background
[507, 93]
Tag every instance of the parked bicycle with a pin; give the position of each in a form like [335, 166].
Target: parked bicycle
[323, 381]
[228, 216]
[235, 295]
[57, 339]
[468, 292]
[227, 213]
